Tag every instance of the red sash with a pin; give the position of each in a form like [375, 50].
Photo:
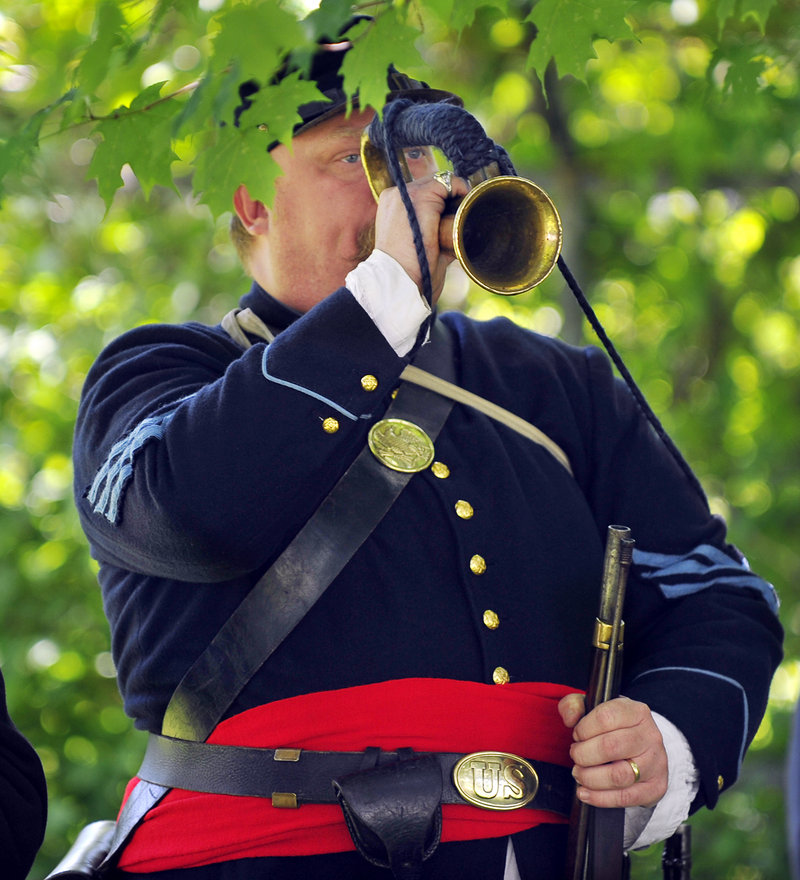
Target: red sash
[187, 829]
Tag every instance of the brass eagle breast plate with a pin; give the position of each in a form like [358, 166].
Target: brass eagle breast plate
[401, 445]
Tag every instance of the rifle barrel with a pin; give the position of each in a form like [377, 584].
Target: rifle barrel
[605, 673]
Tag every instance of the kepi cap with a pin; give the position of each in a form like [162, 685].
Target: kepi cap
[325, 71]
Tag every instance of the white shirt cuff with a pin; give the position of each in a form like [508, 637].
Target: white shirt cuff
[386, 293]
[646, 825]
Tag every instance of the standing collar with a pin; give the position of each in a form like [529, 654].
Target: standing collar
[275, 314]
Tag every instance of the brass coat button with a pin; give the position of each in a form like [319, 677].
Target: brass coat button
[720, 782]
[440, 470]
[490, 619]
[501, 676]
[330, 425]
[369, 382]
[464, 509]
[477, 564]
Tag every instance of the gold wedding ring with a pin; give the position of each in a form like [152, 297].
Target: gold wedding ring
[635, 768]
[446, 180]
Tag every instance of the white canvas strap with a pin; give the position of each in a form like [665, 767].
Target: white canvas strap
[498, 413]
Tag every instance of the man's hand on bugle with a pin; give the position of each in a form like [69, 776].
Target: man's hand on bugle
[611, 743]
[393, 232]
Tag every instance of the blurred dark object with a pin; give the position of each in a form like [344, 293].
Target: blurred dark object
[23, 798]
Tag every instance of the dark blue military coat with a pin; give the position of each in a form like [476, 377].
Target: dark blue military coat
[196, 463]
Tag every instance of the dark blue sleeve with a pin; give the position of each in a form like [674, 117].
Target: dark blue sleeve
[702, 636]
[198, 462]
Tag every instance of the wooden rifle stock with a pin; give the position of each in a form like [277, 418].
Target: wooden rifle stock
[603, 685]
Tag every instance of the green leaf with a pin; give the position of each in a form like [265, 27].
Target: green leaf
[153, 164]
[745, 66]
[77, 108]
[460, 14]
[567, 30]
[215, 99]
[195, 112]
[255, 38]
[138, 135]
[236, 156]
[105, 166]
[275, 107]
[19, 151]
[385, 41]
[443, 10]
[725, 9]
[163, 7]
[108, 35]
[463, 14]
[758, 10]
[328, 18]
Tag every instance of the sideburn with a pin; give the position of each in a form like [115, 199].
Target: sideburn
[365, 243]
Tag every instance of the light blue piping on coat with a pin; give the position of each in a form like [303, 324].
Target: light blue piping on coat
[727, 680]
[106, 491]
[703, 567]
[302, 390]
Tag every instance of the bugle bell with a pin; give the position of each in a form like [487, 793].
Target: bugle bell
[506, 233]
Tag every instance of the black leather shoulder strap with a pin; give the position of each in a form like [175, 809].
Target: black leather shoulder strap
[291, 586]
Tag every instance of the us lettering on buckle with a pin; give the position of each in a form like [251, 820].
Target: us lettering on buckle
[495, 780]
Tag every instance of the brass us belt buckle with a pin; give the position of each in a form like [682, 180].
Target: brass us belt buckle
[401, 445]
[496, 780]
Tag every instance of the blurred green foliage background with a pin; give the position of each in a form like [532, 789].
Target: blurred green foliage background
[680, 206]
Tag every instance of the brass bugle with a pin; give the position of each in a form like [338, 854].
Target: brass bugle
[506, 233]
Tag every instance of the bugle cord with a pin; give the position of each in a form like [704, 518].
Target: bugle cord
[607, 643]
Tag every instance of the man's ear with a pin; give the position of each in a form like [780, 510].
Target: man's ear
[253, 214]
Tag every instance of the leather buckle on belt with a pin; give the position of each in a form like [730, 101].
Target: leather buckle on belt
[495, 780]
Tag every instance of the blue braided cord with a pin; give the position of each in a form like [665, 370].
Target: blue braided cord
[704, 567]
[450, 128]
[327, 401]
[504, 161]
[638, 395]
[727, 680]
[393, 163]
[106, 491]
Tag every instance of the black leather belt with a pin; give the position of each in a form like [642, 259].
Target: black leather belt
[292, 777]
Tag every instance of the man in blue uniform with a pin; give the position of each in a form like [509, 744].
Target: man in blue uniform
[462, 623]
